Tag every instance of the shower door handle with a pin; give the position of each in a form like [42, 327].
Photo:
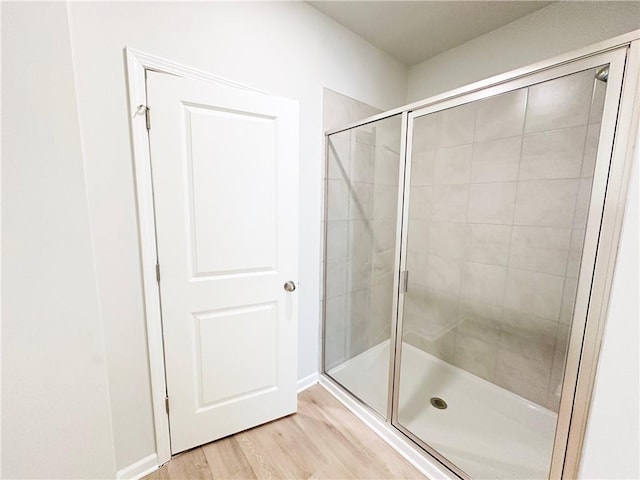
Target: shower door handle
[289, 286]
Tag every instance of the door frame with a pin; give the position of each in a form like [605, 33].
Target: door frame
[575, 411]
[137, 65]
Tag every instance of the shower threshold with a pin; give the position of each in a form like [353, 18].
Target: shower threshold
[486, 431]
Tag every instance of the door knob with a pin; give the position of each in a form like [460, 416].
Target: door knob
[289, 286]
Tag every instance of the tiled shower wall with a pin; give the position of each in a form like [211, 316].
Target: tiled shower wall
[361, 215]
[499, 195]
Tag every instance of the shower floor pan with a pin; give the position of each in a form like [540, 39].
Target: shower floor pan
[487, 431]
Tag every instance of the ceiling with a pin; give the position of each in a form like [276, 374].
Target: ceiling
[413, 31]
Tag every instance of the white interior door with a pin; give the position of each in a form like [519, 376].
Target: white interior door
[224, 165]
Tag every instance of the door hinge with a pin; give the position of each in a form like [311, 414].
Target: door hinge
[166, 404]
[158, 272]
[147, 116]
[404, 281]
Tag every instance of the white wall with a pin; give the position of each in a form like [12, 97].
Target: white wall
[288, 49]
[553, 30]
[612, 440]
[55, 401]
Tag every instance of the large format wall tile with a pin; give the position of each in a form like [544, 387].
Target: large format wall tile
[443, 274]
[425, 133]
[362, 163]
[492, 203]
[421, 202]
[449, 203]
[553, 154]
[418, 234]
[385, 204]
[496, 160]
[483, 283]
[528, 336]
[522, 375]
[360, 201]
[423, 166]
[455, 125]
[534, 293]
[452, 165]
[501, 116]
[480, 320]
[498, 204]
[560, 103]
[339, 156]
[541, 249]
[336, 273]
[442, 347]
[386, 167]
[337, 239]
[360, 238]
[337, 200]
[383, 234]
[489, 243]
[546, 203]
[476, 356]
[448, 240]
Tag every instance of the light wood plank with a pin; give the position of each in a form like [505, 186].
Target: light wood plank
[360, 437]
[323, 440]
[191, 465]
[227, 460]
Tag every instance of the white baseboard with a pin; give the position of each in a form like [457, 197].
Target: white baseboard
[139, 469]
[416, 457]
[307, 382]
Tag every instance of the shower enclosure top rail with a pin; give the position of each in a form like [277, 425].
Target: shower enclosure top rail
[594, 49]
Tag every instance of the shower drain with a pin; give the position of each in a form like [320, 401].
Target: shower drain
[438, 403]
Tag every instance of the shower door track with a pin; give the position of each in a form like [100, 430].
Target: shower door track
[599, 251]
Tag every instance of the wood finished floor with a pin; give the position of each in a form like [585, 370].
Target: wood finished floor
[322, 440]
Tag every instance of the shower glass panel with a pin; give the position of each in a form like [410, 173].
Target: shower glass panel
[498, 197]
[361, 223]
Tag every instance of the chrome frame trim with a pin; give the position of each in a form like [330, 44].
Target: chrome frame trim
[403, 266]
[609, 187]
[323, 260]
[625, 128]
[583, 315]
[393, 357]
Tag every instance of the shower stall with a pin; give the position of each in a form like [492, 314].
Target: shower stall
[467, 248]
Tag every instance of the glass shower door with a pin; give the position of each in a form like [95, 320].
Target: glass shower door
[362, 189]
[499, 190]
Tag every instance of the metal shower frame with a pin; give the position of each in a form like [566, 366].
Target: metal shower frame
[608, 197]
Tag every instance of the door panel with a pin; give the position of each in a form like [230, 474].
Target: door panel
[248, 183]
[224, 164]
